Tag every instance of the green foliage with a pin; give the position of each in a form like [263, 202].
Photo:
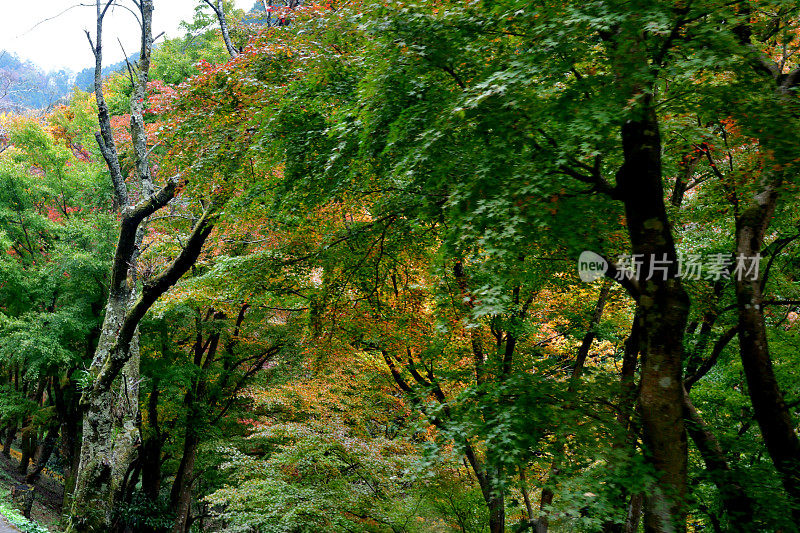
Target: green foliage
[382, 333]
[143, 514]
[20, 522]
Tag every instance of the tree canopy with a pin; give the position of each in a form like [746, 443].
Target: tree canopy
[424, 266]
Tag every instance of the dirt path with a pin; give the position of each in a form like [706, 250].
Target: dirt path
[5, 527]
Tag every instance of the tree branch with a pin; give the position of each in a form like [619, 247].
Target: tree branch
[154, 288]
[219, 11]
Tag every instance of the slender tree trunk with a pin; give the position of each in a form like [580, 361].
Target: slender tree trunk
[70, 440]
[769, 406]
[634, 513]
[181, 495]
[736, 502]
[28, 437]
[543, 523]
[630, 360]
[771, 413]
[495, 501]
[44, 453]
[10, 436]
[219, 11]
[523, 487]
[150, 455]
[484, 471]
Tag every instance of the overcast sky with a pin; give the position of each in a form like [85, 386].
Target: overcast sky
[51, 32]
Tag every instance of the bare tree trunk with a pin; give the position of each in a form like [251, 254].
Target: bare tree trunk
[110, 430]
[219, 11]
[110, 427]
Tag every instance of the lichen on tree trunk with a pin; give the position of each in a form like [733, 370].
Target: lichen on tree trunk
[110, 399]
[110, 432]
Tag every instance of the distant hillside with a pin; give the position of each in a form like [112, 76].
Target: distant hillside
[23, 85]
[84, 80]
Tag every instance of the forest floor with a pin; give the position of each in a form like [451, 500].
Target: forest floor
[47, 503]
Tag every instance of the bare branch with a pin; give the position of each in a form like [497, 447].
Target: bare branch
[223, 25]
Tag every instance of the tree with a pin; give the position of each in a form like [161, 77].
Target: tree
[110, 399]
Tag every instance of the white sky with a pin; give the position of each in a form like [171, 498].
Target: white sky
[61, 42]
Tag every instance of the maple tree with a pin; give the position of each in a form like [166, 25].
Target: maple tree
[385, 330]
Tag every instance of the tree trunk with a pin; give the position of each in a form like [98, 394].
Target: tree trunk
[485, 471]
[27, 447]
[497, 514]
[110, 438]
[736, 502]
[68, 413]
[150, 455]
[110, 426]
[634, 514]
[523, 487]
[28, 437]
[219, 11]
[10, 436]
[110, 431]
[181, 494]
[495, 501]
[45, 451]
[769, 406]
[664, 308]
[546, 500]
[630, 360]
[543, 523]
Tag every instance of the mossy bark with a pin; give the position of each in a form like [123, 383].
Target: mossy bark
[110, 432]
